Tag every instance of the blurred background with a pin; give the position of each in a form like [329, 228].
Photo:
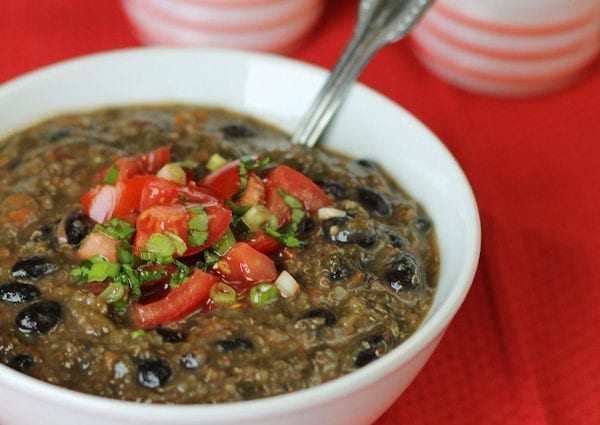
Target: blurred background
[524, 349]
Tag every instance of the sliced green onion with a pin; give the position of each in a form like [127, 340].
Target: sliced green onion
[263, 294]
[114, 292]
[258, 216]
[162, 246]
[215, 161]
[198, 226]
[103, 270]
[112, 176]
[221, 293]
[223, 245]
[172, 172]
[137, 333]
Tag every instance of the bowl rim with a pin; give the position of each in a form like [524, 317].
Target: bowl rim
[432, 328]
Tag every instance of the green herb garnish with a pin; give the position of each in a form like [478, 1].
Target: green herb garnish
[198, 226]
[287, 236]
[112, 176]
[116, 229]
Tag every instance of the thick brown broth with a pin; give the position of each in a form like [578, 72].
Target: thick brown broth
[366, 281]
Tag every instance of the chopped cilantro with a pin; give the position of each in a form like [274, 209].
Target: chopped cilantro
[117, 229]
[252, 163]
[112, 176]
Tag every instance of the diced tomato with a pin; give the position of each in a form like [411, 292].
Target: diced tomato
[174, 218]
[254, 193]
[155, 160]
[164, 192]
[224, 180]
[297, 185]
[263, 242]
[219, 218]
[161, 219]
[98, 243]
[129, 167]
[131, 195]
[245, 265]
[119, 200]
[177, 304]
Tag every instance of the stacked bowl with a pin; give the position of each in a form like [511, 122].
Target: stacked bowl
[264, 25]
[510, 47]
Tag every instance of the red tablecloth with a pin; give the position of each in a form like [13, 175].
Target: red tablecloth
[525, 347]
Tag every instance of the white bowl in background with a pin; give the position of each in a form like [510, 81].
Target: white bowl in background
[278, 91]
[520, 15]
[263, 25]
[516, 44]
[511, 48]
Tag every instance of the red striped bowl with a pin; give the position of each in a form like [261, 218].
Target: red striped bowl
[511, 48]
[264, 25]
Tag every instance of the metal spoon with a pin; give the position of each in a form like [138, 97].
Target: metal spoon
[380, 22]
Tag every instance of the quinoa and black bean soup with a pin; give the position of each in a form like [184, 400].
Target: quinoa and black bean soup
[184, 254]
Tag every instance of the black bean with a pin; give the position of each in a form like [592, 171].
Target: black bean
[306, 225]
[190, 361]
[330, 224]
[237, 131]
[171, 335]
[33, 268]
[338, 269]
[404, 273]
[18, 292]
[153, 373]
[233, 344]
[39, 318]
[424, 225]
[397, 240]
[366, 163]
[21, 362]
[372, 348]
[55, 134]
[77, 227]
[321, 314]
[374, 201]
[334, 189]
[344, 230]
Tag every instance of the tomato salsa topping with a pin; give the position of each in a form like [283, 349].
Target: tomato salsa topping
[157, 226]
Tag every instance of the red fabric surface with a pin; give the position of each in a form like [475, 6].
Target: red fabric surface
[525, 347]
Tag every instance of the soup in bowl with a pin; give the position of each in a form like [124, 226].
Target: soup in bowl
[169, 256]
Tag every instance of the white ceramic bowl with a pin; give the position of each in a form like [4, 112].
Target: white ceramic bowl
[279, 91]
[264, 25]
[533, 14]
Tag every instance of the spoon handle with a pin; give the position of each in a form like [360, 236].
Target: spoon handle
[380, 22]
